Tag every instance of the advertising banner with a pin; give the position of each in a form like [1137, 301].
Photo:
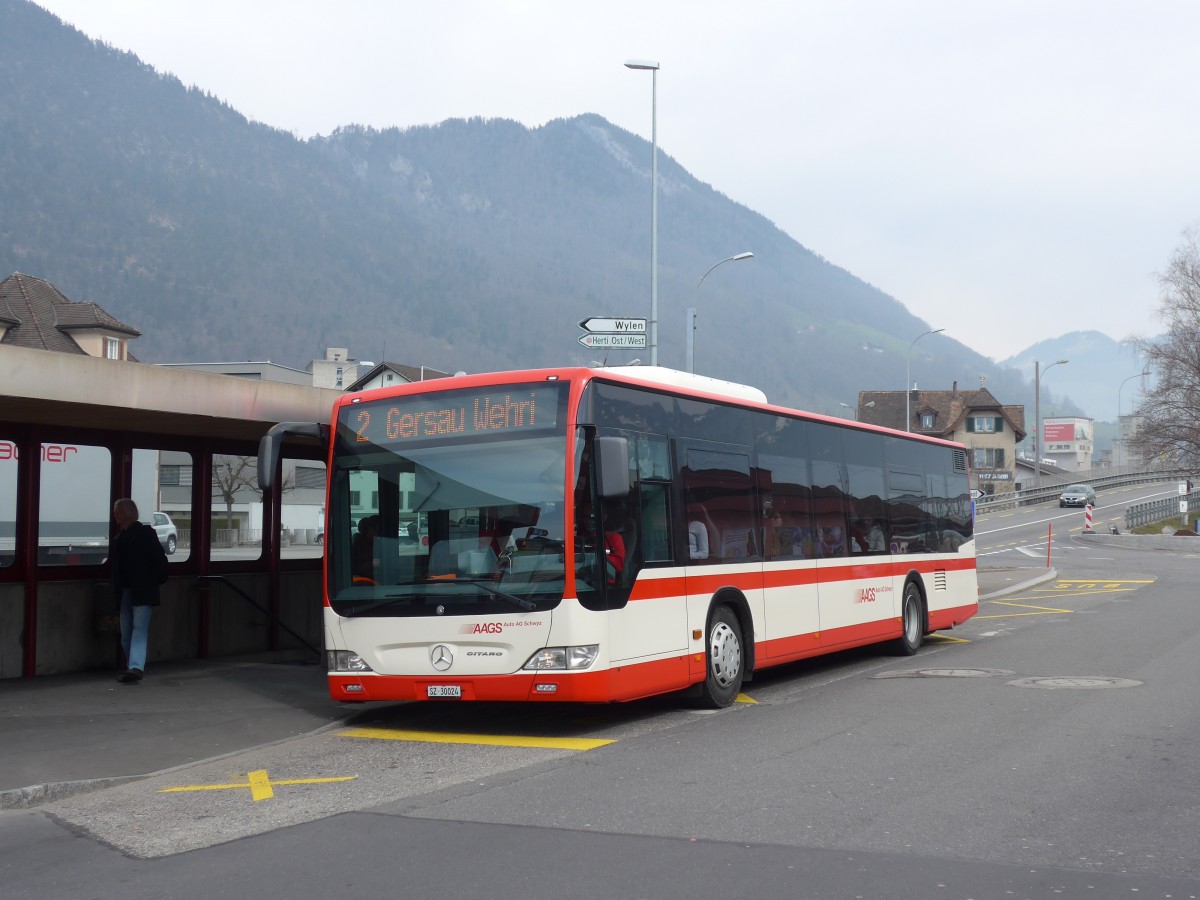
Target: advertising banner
[1059, 432]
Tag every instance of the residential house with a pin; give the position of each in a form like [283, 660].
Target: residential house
[387, 374]
[37, 315]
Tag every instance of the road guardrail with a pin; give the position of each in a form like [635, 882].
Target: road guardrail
[1100, 479]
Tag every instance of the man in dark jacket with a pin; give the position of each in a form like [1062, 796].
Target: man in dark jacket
[139, 567]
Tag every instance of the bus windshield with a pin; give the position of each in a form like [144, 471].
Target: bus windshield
[465, 523]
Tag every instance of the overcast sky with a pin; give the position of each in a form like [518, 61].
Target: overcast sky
[1010, 171]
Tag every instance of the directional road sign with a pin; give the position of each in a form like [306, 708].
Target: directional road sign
[602, 325]
[623, 341]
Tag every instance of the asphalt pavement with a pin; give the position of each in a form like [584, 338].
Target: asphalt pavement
[63, 734]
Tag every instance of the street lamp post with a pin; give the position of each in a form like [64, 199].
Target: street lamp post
[1037, 417]
[691, 313]
[652, 67]
[1120, 440]
[908, 377]
[866, 405]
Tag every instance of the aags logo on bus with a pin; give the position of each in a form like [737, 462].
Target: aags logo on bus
[869, 594]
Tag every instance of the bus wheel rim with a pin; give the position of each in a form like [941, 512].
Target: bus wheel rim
[912, 618]
[726, 655]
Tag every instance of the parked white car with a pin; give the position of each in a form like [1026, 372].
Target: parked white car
[168, 534]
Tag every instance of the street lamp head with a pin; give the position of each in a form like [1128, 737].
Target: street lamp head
[745, 254]
[908, 386]
[640, 64]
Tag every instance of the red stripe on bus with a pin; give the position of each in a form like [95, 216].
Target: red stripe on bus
[750, 580]
[625, 682]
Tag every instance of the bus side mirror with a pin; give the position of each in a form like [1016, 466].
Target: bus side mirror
[269, 447]
[612, 466]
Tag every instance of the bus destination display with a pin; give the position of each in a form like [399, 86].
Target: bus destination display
[455, 414]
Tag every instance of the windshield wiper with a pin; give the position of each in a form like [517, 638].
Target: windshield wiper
[486, 584]
[378, 604]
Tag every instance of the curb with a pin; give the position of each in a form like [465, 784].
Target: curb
[1046, 575]
[1162, 542]
[37, 794]
[49, 792]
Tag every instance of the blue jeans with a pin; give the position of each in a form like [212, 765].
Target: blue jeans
[135, 631]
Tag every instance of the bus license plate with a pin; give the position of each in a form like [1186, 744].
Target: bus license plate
[444, 690]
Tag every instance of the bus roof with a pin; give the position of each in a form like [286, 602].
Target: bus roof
[702, 386]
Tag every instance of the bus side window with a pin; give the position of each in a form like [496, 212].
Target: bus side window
[656, 542]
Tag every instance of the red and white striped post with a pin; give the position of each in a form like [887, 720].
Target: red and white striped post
[1087, 519]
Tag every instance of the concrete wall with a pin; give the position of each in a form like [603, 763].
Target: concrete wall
[236, 627]
[77, 627]
[12, 617]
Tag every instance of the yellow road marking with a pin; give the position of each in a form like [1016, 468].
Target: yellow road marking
[258, 782]
[1106, 581]
[1076, 592]
[1037, 610]
[745, 698]
[1067, 587]
[260, 785]
[945, 639]
[497, 740]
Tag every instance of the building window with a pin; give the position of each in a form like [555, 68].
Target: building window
[985, 424]
[112, 348]
[987, 458]
[927, 420]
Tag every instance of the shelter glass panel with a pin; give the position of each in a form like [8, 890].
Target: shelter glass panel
[302, 514]
[75, 514]
[8, 502]
[236, 508]
[162, 490]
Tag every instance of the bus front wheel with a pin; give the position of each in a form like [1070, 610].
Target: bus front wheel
[726, 660]
[912, 621]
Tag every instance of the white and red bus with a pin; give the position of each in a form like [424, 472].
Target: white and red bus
[610, 534]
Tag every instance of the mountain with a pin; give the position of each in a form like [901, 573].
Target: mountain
[1094, 377]
[473, 244]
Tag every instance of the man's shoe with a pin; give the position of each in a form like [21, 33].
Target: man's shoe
[133, 676]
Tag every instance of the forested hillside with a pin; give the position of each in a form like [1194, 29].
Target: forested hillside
[466, 245]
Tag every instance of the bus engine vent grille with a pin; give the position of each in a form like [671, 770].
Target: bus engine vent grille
[939, 580]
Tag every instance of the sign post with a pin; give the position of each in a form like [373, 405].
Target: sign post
[612, 333]
[610, 325]
[613, 341]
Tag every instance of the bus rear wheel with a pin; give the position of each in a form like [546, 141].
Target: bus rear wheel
[912, 621]
[726, 660]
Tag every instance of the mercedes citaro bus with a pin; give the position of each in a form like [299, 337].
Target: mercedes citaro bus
[608, 534]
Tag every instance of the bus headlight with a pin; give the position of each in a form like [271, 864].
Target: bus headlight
[345, 661]
[563, 657]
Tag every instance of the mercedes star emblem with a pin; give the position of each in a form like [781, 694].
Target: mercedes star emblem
[441, 657]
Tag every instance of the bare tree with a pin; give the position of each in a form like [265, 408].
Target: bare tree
[231, 475]
[1169, 430]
